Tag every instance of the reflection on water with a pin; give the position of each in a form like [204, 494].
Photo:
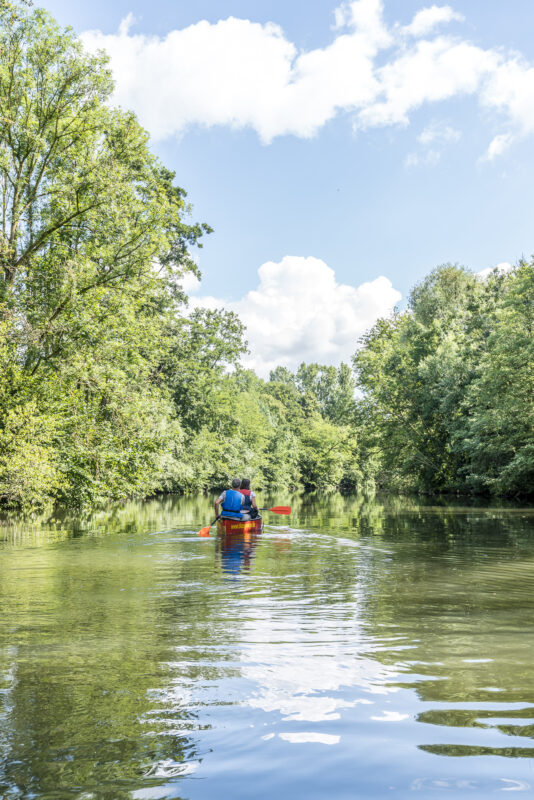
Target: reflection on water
[235, 551]
[362, 648]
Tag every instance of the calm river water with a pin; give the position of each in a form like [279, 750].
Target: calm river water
[358, 649]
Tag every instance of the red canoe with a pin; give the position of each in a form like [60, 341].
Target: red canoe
[239, 525]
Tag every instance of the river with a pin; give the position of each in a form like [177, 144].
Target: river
[362, 648]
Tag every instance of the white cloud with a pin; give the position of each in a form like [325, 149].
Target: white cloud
[510, 90]
[428, 18]
[501, 269]
[126, 24]
[431, 71]
[498, 145]
[244, 74]
[299, 312]
[365, 17]
[432, 139]
[438, 133]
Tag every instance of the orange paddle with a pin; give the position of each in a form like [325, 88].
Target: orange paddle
[206, 531]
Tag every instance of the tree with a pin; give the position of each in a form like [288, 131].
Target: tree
[499, 440]
[448, 385]
[93, 245]
[201, 348]
[333, 387]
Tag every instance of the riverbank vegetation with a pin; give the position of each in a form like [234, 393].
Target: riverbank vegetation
[448, 386]
[111, 386]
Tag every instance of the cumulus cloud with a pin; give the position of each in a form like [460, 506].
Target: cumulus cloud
[429, 72]
[299, 312]
[510, 90]
[427, 19]
[366, 18]
[244, 74]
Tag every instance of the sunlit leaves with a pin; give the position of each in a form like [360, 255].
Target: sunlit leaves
[449, 386]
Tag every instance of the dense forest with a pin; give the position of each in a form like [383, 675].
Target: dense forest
[111, 386]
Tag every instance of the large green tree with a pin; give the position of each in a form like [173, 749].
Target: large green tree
[93, 243]
[448, 400]
[498, 439]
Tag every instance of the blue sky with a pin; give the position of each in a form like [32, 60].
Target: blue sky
[349, 150]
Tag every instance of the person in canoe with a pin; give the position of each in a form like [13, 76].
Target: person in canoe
[232, 502]
[250, 507]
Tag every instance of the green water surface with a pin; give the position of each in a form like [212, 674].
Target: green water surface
[359, 649]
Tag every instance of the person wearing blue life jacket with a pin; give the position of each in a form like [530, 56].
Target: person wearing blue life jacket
[232, 502]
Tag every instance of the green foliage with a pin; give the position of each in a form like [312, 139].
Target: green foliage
[499, 437]
[326, 452]
[29, 474]
[93, 245]
[332, 387]
[200, 348]
[269, 431]
[448, 386]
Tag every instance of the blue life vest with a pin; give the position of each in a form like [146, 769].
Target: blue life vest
[232, 504]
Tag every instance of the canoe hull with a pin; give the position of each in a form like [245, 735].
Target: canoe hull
[237, 526]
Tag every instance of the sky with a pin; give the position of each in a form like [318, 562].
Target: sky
[340, 151]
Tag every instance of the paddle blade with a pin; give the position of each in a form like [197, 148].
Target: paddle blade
[204, 531]
[280, 509]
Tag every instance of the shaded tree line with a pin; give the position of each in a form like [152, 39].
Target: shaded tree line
[111, 386]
